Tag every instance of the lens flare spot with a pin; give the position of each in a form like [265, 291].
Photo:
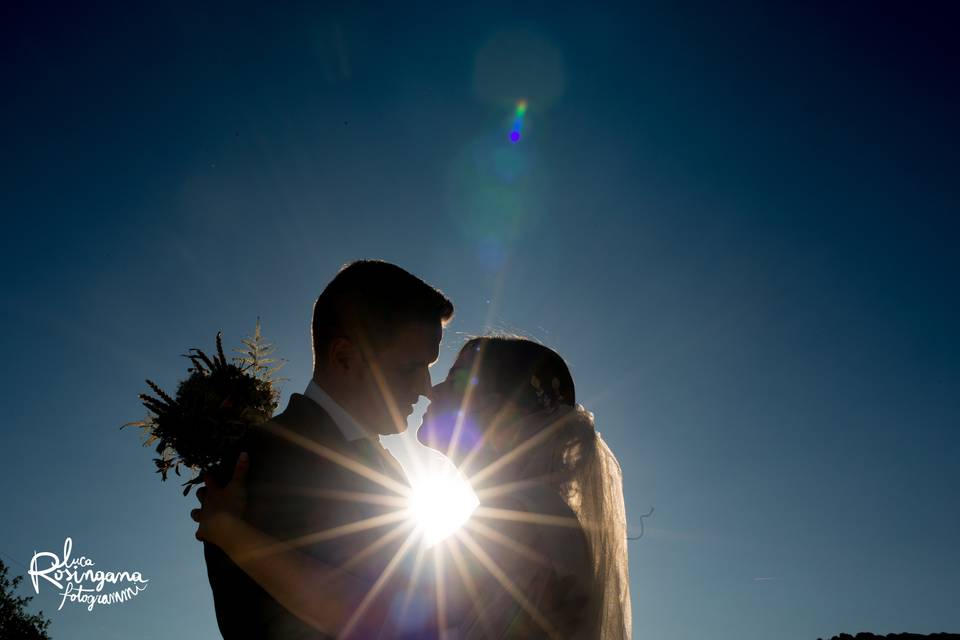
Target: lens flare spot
[440, 503]
[518, 121]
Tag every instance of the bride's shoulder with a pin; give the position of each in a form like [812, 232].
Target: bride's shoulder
[543, 499]
[535, 498]
[544, 520]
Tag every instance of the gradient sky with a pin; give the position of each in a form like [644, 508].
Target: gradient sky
[737, 223]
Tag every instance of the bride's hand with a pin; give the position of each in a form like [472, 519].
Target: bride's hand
[218, 505]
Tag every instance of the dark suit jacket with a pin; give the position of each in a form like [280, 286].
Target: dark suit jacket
[288, 497]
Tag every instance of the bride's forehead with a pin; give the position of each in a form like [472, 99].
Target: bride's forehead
[466, 357]
[470, 365]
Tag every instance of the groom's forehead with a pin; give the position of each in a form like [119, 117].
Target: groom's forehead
[419, 340]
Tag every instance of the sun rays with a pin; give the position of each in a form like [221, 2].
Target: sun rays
[337, 458]
[379, 584]
[437, 520]
[504, 580]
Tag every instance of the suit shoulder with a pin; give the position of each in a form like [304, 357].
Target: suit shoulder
[300, 435]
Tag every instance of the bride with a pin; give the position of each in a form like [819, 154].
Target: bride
[544, 555]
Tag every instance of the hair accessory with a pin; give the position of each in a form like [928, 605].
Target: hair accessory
[556, 390]
[544, 399]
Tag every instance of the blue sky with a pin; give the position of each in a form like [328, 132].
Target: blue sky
[737, 224]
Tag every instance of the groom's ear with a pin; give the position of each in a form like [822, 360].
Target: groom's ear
[342, 356]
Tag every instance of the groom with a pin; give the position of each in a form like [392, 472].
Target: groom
[318, 476]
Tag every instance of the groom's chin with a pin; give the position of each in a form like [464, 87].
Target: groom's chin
[392, 423]
[395, 429]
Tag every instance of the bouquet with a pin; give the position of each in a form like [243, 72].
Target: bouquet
[202, 426]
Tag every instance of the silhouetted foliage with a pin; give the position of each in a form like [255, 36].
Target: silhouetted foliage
[15, 622]
[201, 426]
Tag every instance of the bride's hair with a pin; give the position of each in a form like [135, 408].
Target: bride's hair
[573, 459]
[508, 363]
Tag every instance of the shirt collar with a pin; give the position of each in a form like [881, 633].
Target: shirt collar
[350, 428]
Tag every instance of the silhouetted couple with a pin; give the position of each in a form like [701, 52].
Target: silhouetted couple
[314, 536]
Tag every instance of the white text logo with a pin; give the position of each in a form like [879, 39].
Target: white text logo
[79, 583]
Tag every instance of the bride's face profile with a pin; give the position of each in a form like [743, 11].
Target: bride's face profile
[494, 382]
[461, 407]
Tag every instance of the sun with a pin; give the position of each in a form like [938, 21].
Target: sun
[440, 502]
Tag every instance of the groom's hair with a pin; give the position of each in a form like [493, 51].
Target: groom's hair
[368, 300]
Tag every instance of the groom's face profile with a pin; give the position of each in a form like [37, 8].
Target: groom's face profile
[387, 380]
[376, 330]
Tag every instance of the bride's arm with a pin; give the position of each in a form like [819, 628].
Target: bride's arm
[321, 595]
